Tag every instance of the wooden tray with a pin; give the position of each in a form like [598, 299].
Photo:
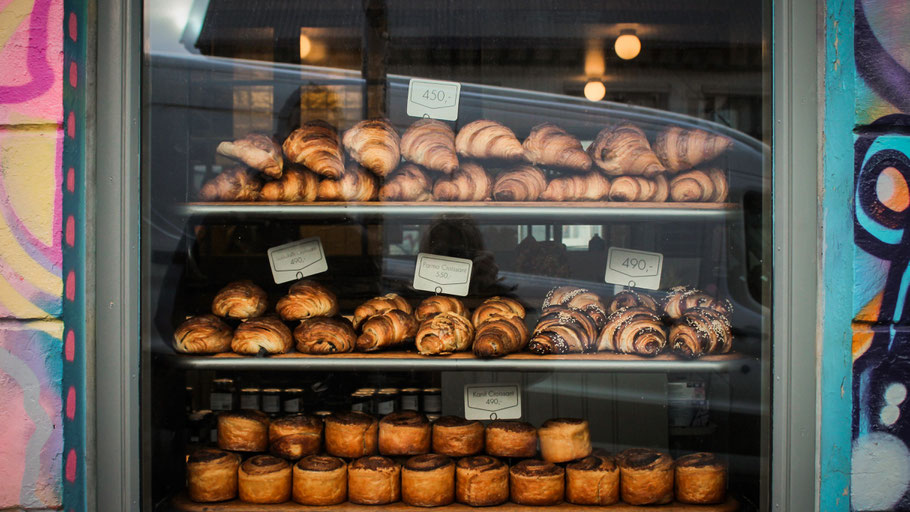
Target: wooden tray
[182, 502]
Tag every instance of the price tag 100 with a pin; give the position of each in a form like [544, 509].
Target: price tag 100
[297, 260]
[442, 274]
[492, 401]
[433, 98]
[628, 267]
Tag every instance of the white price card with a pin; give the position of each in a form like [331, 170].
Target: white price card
[442, 274]
[628, 267]
[433, 98]
[297, 260]
[492, 401]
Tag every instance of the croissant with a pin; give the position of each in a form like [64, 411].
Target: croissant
[561, 331]
[634, 330]
[580, 299]
[550, 146]
[240, 299]
[701, 331]
[683, 298]
[378, 305]
[430, 143]
[631, 188]
[692, 186]
[234, 184]
[356, 184]
[205, 334]
[469, 183]
[408, 183]
[260, 336]
[488, 139]
[432, 306]
[444, 333]
[386, 329]
[499, 335]
[721, 187]
[497, 306]
[522, 183]
[591, 186]
[317, 146]
[325, 336]
[257, 151]
[632, 298]
[307, 299]
[624, 149]
[375, 144]
[679, 149]
[295, 185]
[661, 189]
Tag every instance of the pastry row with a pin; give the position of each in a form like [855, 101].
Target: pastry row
[470, 182]
[689, 322]
[637, 476]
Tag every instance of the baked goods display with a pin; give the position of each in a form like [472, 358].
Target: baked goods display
[428, 480]
[457, 437]
[374, 480]
[509, 438]
[320, 480]
[295, 436]
[564, 439]
[204, 334]
[211, 475]
[536, 482]
[701, 479]
[404, 433]
[646, 477]
[264, 479]
[484, 160]
[351, 434]
[243, 431]
[593, 480]
[240, 299]
[481, 481]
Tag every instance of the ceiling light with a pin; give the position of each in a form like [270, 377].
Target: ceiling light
[595, 90]
[305, 46]
[627, 45]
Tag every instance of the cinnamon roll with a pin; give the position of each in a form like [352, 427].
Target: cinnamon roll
[240, 299]
[635, 330]
[535, 482]
[682, 298]
[631, 298]
[325, 336]
[295, 436]
[562, 330]
[374, 481]
[243, 431]
[506, 438]
[593, 480]
[646, 477]
[457, 437]
[262, 336]
[320, 480]
[264, 479]
[580, 299]
[564, 439]
[701, 331]
[307, 299]
[481, 481]
[211, 475]
[205, 334]
[404, 433]
[351, 434]
[428, 481]
[444, 333]
[432, 306]
[701, 479]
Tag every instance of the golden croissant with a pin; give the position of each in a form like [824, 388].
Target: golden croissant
[387, 329]
[317, 146]
[488, 139]
[632, 188]
[444, 333]
[721, 187]
[692, 186]
[499, 335]
[430, 143]
[522, 183]
[497, 306]
[624, 150]
[356, 184]
[550, 146]
[590, 186]
[374, 143]
[307, 299]
[257, 151]
[408, 183]
[378, 305]
[294, 185]
[235, 184]
[436, 304]
[680, 149]
[469, 183]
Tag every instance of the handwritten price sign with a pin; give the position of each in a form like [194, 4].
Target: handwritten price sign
[492, 401]
[628, 267]
[442, 274]
[433, 98]
[297, 260]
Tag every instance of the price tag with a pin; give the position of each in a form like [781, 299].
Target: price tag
[628, 267]
[442, 274]
[492, 401]
[297, 260]
[433, 98]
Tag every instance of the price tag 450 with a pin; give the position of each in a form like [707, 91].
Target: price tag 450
[433, 98]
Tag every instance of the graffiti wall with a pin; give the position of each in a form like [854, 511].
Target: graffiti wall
[31, 238]
[881, 325]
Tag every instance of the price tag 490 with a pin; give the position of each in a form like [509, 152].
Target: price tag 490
[492, 401]
[628, 267]
[442, 274]
[297, 260]
[433, 98]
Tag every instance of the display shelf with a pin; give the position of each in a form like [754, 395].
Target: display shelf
[520, 212]
[183, 503]
[406, 360]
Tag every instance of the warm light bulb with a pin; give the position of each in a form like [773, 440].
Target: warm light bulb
[595, 90]
[305, 46]
[627, 46]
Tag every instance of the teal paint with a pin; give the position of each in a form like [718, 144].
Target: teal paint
[837, 260]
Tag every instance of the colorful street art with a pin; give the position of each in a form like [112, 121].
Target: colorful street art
[881, 325]
[31, 257]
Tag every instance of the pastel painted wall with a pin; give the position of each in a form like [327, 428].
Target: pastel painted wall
[881, 211]
[31, 255]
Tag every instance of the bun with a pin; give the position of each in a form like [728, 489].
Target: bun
[374, 143]
[351, 434]
[264, 479]
[624, 150]
[257, 151]
[295, 436]
[374, 481]
[317, 146]
[593, 480]
[408, 183]
[428, 481]
[325, 336]
[307, 299]
[404, 433]
[356, 184]
[430, 143]
[457, 437]
[243, 431]
[264, 335]
[564, 440]
[634, 330]
[235, 184]
[240, 299]
[205, 334]
[506, 438]
[211, 475]
[550, 146]
[296, 185]
[320, 480]
[470, 182]
[488, 139]
[444, 333]
[481, 481]
[701, 479]
[535, 482]
[646, 477]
